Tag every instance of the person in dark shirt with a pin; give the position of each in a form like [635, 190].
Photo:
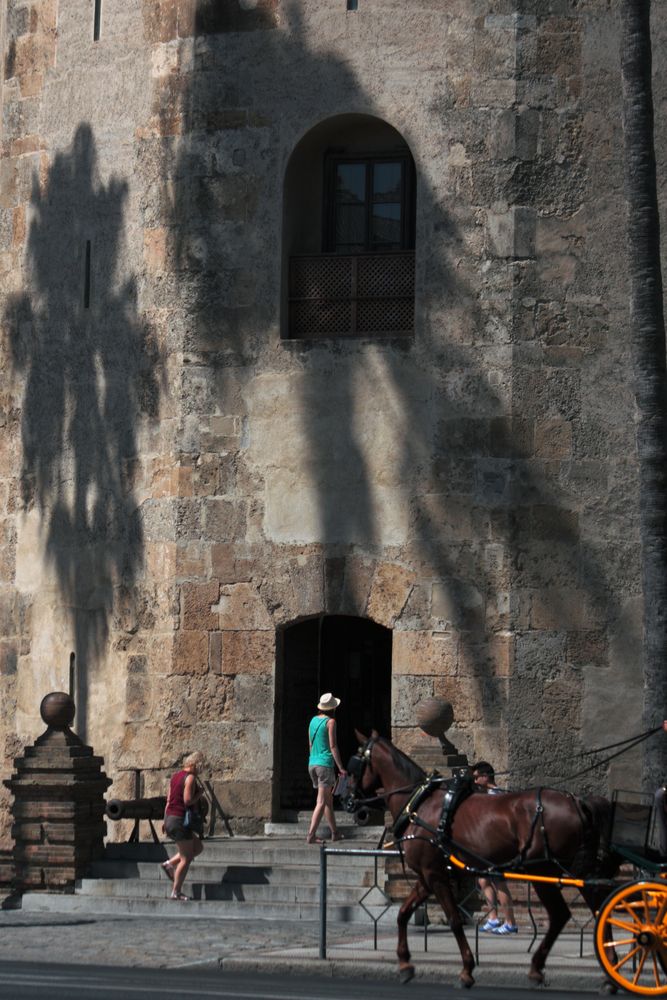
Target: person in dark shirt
[184, 793]
[495, 890]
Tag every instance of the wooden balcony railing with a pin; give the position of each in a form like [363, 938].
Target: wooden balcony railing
[363, 295]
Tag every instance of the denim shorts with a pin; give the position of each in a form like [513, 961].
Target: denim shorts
[322, 777]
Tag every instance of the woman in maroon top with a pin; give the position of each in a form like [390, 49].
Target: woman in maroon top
[184, 793]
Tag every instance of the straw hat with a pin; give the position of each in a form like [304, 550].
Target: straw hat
[328, 702]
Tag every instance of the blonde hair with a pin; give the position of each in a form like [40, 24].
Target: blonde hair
[195, 759]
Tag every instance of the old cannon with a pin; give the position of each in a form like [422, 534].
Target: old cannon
[146, 809]
[136, 808]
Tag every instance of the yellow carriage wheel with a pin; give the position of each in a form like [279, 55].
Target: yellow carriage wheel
[631, 938]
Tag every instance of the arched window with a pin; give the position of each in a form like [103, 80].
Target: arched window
[349, 232]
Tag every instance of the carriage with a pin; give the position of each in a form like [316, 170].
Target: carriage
[630, 933]
[632, 921]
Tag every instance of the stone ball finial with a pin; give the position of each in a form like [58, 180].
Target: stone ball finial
[434, 716]
[57, 710]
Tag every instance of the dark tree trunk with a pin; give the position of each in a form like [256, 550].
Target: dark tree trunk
[647, 330]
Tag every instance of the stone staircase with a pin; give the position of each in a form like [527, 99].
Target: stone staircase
[275, 877]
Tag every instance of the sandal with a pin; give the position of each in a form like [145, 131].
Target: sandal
[181, 897]
[168, 869]
[312, 839]
[338, 836]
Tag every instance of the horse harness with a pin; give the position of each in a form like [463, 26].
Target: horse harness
[456, 790]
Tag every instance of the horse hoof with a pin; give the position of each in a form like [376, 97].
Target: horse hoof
[465, 982]
[406, 974]
[537, 980]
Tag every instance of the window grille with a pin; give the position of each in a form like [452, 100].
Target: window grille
[361, 295]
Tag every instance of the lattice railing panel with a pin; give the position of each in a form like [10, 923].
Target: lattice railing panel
[320, 277]
[359, 295]
[386, 276]
[320, 318]
[385, 315]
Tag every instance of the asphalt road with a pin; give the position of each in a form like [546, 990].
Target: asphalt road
[30, 981]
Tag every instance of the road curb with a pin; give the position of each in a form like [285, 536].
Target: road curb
[436, 972]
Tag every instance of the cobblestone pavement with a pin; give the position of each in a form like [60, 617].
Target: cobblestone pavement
[149, 942]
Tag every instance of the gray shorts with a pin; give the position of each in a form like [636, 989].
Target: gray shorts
[174, 828]
[322, 777]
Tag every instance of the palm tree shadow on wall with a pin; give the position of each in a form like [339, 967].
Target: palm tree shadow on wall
[91, 372]
[463, 446]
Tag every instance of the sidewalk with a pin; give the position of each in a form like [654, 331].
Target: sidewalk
[502, 961]
[288, 947]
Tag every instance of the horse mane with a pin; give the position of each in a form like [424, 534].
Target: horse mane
[413, 772]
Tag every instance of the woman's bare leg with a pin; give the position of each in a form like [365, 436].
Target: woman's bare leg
[317, 813]
[186, 850]
[329, 811]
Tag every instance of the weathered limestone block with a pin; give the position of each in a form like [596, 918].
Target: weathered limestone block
[389, 592]
[197, 599]
[245, 803]
[245, 652]
[190, 654]
[406, 694]
[493, 657]
[539, 653]
[228, 566]
[434, 653]
[307, 584]
[241, 607]
[141, 745]
[358, 577]
[553, 439]
[568, 608]
[458, 603]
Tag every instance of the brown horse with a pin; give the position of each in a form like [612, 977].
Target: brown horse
[544, 832]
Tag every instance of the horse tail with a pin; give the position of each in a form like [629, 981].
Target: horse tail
[595, 855]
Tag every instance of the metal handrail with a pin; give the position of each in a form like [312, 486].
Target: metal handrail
[388, 853]
[355, 852]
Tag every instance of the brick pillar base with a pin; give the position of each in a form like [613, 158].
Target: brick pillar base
[58, 809]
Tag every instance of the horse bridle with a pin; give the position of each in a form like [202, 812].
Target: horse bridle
[353, 801]
[356, 767]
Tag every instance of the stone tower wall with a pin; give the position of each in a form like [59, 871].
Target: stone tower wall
[178, 482]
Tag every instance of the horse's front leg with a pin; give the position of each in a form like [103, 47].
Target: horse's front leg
[405, 969]
[443, 892]
[559, 913]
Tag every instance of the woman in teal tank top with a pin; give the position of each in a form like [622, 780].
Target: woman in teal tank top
[322, 763]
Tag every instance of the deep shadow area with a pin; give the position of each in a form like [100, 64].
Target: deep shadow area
[90, 367]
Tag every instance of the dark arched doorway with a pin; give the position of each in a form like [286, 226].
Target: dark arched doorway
[352, 658]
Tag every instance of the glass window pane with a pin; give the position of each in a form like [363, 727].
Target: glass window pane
[351, 182]
[387, 224]
[387, 182]
[350, 224]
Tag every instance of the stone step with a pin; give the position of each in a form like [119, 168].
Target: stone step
[246, 874]
[243, 892]
[300, 829]
[41, 902]
[247, 851]
[299, 824]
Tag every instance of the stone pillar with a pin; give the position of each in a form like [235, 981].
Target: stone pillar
[58, 808]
